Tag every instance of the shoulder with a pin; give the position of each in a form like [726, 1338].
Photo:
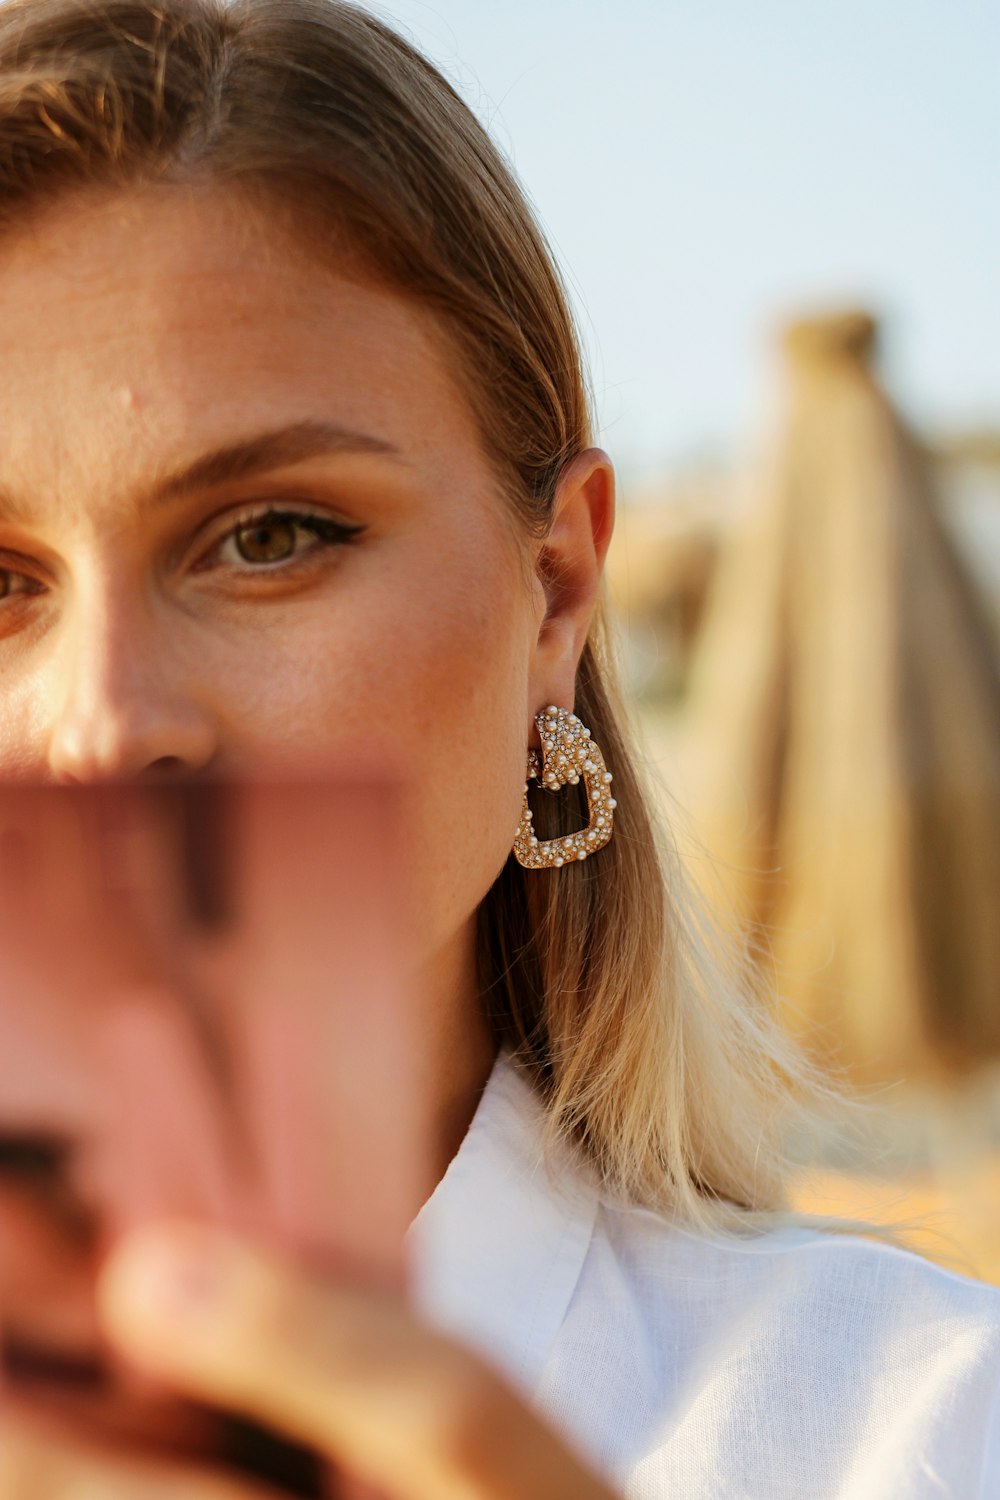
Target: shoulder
[804, 1363]
[812, 1272]
[791, 1365]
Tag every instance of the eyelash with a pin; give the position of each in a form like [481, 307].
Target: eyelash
[325, 531]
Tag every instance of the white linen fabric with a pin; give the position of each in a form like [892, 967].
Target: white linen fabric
[790, 1365]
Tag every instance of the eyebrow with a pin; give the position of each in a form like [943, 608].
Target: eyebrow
[260, 454]
[266, 451]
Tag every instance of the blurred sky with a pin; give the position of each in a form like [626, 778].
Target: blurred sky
[702, 165]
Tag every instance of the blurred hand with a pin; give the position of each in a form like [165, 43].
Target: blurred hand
[351, 1372]
[37, 1463]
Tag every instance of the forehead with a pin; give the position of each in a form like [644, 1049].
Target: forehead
[138, 330]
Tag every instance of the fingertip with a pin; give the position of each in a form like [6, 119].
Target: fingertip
[163, 1281]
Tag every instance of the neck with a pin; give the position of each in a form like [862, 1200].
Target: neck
[459, 1053]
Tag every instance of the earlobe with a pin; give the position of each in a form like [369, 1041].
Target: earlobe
[569, 565]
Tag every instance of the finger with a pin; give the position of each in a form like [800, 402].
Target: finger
[347, 1370]
[38, 1462]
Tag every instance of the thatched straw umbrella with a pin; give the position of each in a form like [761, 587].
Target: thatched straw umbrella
[847, 696]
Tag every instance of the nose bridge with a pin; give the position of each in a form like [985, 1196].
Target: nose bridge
[123, 704]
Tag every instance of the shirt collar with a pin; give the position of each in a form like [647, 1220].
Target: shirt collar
[497, 1249]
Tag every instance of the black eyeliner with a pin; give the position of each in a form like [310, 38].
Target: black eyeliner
[323, 527]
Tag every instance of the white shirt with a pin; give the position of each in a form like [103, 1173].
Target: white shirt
[791, 1365]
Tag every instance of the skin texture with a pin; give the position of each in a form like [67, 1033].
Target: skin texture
[138, 334]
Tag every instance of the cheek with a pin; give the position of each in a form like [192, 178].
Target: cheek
[25, 723]
[472, 759]
[428, 665]
[461, 684]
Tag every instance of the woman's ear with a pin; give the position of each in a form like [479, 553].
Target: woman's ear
[568, 564]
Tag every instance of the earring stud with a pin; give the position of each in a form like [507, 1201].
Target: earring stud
[569, 756]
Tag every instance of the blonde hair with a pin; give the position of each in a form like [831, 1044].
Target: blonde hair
[647, 1042]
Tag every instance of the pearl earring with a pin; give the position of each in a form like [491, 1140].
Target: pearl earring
[568, 755]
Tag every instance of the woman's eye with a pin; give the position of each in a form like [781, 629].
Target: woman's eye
[12, 583]
[273, 538]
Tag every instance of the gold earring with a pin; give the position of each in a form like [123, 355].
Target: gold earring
[568, 755]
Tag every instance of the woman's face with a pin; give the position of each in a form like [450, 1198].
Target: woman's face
[245, 517]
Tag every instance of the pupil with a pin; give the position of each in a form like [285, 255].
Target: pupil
[266, 541]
